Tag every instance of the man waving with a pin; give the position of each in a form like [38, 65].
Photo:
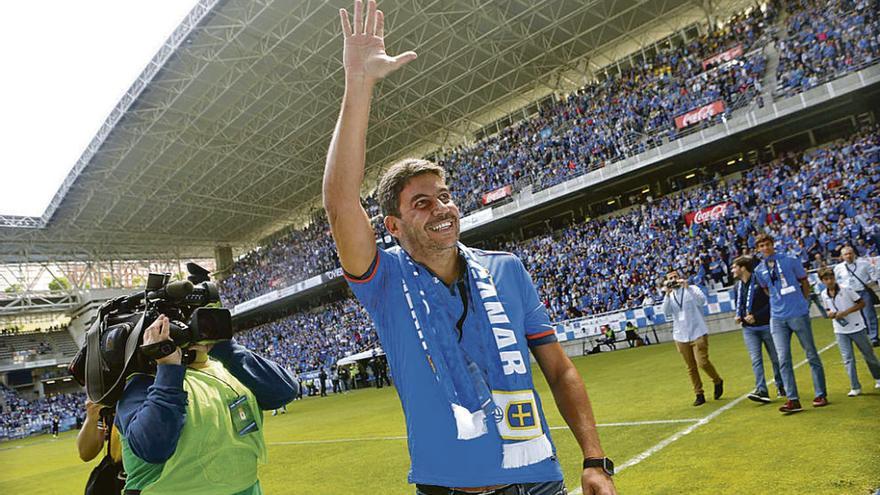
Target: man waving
[456, 323]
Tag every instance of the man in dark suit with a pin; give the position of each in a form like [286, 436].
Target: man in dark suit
[753, 313]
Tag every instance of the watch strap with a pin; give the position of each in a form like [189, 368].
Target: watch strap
[603, 463]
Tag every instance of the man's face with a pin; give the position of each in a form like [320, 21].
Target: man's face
[849, 255]
[673, 275]
[428, 220]
[766, 248]
[737, 270]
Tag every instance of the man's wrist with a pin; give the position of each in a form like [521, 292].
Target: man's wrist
[359, 84]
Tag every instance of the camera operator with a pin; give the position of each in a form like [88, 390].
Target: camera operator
[684, 303]
[197, 429]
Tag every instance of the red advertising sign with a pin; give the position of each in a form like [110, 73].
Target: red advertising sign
[725, 56]
[708, 214]
[501, 192]
[699, 115]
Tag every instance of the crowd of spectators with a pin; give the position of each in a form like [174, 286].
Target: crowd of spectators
[621, 116]
[825, 39]
[314, 339]
[292, 257]
[21, 417]
[813, 203]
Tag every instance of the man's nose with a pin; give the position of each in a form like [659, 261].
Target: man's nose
[440, 208]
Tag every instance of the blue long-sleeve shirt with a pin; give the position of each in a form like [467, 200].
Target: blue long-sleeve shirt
[152, 411]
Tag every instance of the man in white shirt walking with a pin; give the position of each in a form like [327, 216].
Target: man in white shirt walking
[844, 307]
[856, 274]
[684, 304]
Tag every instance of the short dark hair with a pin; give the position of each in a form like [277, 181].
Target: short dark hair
[397, 176]
[765, 237]
[825, 271]
[745, 261]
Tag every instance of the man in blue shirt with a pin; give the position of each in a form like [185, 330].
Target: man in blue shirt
[456, 324]
[784, 279]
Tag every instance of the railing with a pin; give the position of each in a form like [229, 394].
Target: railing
[780, 93]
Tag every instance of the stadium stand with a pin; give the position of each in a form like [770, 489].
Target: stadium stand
[21, 417]
[614, 263]
[826, 39]
[621, 116]
[24, 346]
[314, 339]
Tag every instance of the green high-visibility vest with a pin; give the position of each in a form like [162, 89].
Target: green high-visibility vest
[211, 457]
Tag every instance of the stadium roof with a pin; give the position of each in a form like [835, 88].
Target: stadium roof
[221, 141]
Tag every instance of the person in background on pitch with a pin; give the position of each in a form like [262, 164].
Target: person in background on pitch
[684, 304]
[753, 313]
[844, 307]
[784, 279]
[457, 324]
[856, 274]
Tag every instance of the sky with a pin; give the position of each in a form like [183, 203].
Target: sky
[64, 65]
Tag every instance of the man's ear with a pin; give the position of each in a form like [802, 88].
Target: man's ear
[392, 225]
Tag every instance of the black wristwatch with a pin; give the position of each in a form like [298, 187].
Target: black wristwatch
[602, 462]
[158, 350]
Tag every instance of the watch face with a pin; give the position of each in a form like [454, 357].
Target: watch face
[166, 348]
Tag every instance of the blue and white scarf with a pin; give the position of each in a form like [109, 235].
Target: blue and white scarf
[505, 392]
[744, 301]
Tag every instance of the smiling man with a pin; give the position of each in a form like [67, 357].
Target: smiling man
[456, 323]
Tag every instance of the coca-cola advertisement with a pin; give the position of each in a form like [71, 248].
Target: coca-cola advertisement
[700, 114]
[725, 56]
[501, 192]
[708, 214]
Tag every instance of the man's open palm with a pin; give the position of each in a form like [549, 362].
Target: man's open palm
[364, 53]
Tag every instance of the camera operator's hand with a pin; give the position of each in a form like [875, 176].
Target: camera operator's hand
[93, 410]
[157, 332]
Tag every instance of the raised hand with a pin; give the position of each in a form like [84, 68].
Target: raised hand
[364, 54]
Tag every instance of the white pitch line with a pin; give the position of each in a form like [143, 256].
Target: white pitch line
[337, 440]
[677, 435]
[371, 439]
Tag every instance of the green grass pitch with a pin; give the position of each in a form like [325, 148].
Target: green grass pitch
[353, 444]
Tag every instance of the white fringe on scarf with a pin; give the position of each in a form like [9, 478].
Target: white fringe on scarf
[521, 454]
[469, 424]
